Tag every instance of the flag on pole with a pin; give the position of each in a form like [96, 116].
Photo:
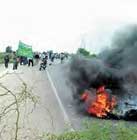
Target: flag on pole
[24, 50]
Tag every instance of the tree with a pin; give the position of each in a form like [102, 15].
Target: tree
[8, 49]
[83, 51]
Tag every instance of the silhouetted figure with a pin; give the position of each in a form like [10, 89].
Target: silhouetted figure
[15, 61]
[30, 62]
[37, 57]
[43, 65]
[61, 57]
[52, 57]
[6, 61]
[21, 60]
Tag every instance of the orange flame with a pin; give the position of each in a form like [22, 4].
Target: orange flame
[102, 104]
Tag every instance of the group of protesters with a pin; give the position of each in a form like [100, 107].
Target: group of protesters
[22, 60]
[16, 60]
[60, 56]
[52, 56]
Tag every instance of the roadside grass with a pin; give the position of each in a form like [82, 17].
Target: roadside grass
[100, 130]
[2, 57]
[2, 54]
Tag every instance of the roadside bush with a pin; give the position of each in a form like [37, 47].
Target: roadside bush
[2, 54]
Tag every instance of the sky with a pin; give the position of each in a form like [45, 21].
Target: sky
[63, 25]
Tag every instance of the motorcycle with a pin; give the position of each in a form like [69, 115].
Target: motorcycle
[43, 65]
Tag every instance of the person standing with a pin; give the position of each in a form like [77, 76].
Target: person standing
[21, 60]
[30, 61]
[37, 57]
[6, 61]
[61, 57]
[52, 57]
[15, 61]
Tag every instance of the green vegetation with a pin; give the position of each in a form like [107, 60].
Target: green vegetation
[1, 58]
[8, 49]
[84, 52]
[2, 54]
[106, 130]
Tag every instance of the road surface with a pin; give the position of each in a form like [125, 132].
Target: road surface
[60, 77]
[38, 106]
[46, 106]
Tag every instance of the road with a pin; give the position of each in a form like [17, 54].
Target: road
[39, 108]
[60, 77]
[46, 106]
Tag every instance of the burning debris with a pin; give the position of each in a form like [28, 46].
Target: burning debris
[101, 105]
[106, 86]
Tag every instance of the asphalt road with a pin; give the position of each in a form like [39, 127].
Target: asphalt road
[39, 108]
[60, 78]
[55, 110]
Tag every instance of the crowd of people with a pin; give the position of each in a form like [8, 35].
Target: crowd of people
[37, 57]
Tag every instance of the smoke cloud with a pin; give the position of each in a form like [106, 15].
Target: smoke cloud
[116, 68]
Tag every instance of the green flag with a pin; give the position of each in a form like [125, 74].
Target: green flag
[24, 50]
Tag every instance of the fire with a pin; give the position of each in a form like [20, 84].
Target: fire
[102, 104]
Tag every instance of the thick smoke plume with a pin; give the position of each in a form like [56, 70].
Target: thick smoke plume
[116, 68]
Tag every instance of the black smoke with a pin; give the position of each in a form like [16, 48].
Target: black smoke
[116, 68]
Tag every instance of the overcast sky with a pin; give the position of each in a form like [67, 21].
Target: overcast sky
[62, 25]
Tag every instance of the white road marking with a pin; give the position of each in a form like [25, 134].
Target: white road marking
[66, 118]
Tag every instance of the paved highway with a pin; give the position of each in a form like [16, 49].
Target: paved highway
[55, 110]
[45, 116]
[60, 77]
